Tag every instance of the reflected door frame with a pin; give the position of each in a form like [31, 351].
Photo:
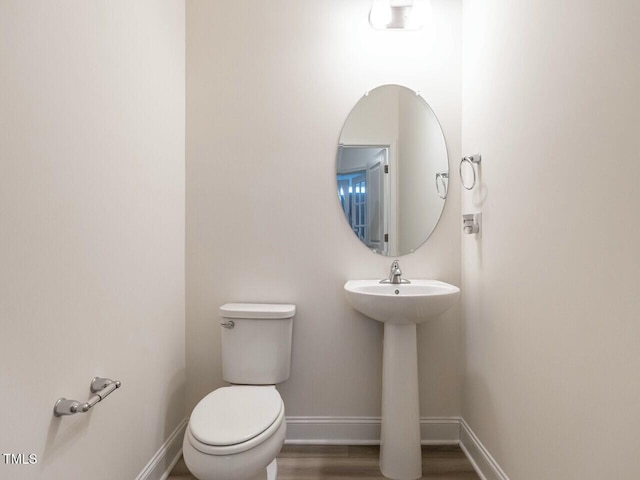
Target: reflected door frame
[387, 189]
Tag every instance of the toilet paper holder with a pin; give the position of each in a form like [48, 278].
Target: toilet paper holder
[102, 387]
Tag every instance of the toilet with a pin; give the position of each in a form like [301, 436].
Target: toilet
[236, 432]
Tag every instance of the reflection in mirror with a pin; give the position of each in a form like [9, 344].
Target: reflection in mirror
[392, 151]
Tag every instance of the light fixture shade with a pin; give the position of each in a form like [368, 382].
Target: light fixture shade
[380, 14]
[402, 15]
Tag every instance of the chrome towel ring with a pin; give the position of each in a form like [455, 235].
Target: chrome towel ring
[473, 159]
[440, 180]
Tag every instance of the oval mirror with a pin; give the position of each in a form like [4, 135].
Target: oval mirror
[392, 170]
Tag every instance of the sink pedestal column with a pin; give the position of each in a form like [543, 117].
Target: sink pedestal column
[400, 452]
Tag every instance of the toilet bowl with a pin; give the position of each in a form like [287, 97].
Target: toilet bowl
[236, 432]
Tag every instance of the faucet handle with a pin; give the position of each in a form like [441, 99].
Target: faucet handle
[395, 267]
[395, 274]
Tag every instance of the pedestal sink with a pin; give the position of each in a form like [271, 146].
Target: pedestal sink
[400, 307]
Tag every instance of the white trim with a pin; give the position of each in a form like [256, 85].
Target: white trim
[166, 457]
[439, 430]
[364, 430]
[333, 431]
[482, 461]
[348, 431]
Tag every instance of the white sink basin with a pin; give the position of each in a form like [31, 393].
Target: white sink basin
[403, 304]
[400, 307]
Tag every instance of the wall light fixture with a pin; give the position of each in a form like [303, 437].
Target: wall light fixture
[399, 14]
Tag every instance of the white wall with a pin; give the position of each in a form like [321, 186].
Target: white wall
[551, 287]
[269, 85]
[92, 244]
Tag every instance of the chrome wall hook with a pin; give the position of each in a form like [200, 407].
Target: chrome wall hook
[472, 161]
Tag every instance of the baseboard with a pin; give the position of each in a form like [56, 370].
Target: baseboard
[440, 430]
[482, 461]
[166, 457]
[348, 431]
[364, 430]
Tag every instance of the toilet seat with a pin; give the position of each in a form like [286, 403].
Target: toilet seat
[235, 419]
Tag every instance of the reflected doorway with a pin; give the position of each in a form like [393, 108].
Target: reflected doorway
[363, 186]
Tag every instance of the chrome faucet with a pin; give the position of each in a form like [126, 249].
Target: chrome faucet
[395, 275]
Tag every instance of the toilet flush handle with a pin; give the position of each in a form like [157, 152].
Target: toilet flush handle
[229, 324]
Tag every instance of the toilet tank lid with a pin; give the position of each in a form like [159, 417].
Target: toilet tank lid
[257, 310]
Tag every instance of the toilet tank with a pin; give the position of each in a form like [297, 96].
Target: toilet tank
[256, 342]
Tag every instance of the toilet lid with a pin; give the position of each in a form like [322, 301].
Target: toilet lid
[232, 415]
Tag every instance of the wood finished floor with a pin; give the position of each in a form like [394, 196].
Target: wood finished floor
[357, 462]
